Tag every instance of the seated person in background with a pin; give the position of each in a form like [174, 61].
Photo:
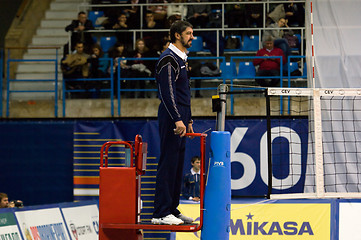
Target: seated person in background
[117, 52]
[236, 14]
[198, 15]
[176, 12]
[75, 65]
[133, 13]
[77, 27]
[191, 181]
[159, 11]
[4, 200]
[152, 39]
[294, 13]
[119, 24]
[122, 24]
[278, 35]
[98, 67]
[139, 68]
[268, 66]
[16, 203]
[254, 16]
[165, 44]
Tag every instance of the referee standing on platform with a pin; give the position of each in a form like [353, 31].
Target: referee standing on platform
[174, 118]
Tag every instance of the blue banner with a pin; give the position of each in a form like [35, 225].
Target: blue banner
[248, 152]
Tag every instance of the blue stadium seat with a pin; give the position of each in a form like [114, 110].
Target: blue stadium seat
[250, 43]
[228, 70]
[197, 44]
[238, 39]
[293, 66]
[107, 42]
[94, 15]
[246, 70]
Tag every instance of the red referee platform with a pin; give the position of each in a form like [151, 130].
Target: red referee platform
[119, 193]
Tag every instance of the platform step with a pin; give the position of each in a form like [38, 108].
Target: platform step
[148, 226]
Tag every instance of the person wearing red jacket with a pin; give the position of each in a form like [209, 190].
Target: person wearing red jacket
[268, 66]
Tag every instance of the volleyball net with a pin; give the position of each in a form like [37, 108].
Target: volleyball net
[332, 165]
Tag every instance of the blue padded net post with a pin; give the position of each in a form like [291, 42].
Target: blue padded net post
[217, 198]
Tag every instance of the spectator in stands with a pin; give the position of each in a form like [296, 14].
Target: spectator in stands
[176, 12]
[198, 15]
[268, 66]
[98, 69]
[159, 11]
[117, 52]
[236, 14]
[294, 13]
[75, 65]
[152, 39]
[278, 34]
[110, 13]
[122, 24]
[98, 66]
[133, 13]
[139, 68]
[165, 44]
[254, 17]
[191, 181]
[77, 27]
[4, 200]
[16, 203]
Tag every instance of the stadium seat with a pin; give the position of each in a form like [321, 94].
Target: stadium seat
[250, 43]
[197, 44]
[107, 42]
[246, 70]
[94, 15]
[293, 66]
[237, 39]
[228, 70]
[298, 37]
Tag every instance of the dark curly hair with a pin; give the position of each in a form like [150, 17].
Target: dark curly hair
[178, 27]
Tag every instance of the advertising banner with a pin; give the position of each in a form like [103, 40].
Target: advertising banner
[281, 221]
[82, 221]
[8, 228]
[249, 161]
[41, 224]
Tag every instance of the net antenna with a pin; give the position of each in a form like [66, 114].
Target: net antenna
[332, 168]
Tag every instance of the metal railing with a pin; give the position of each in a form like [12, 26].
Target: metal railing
[82, 80]
[121, 79]
[281, 76]
[226, 76]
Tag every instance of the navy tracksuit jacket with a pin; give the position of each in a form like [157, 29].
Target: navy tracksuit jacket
[174, 93]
